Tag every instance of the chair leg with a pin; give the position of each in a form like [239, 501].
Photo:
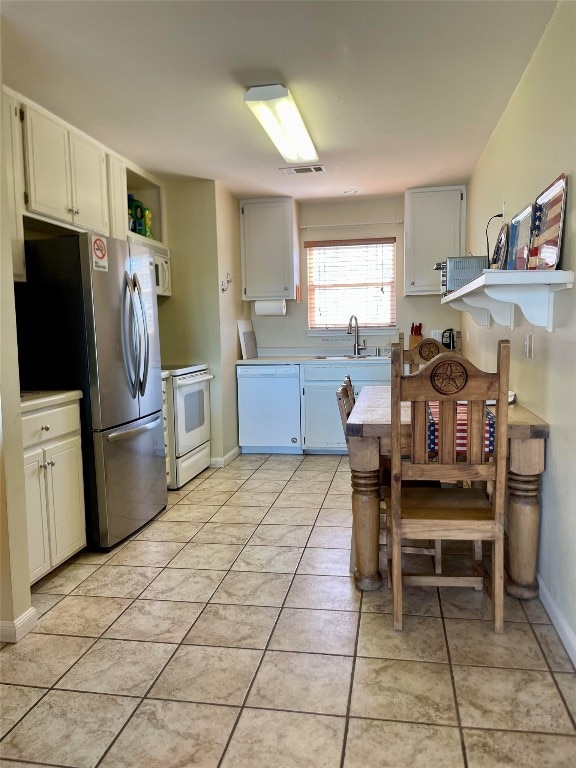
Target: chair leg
[438, 556]
[498, 584]
[477, 551]
[396, 578]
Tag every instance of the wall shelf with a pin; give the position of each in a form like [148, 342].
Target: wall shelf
[494, 293]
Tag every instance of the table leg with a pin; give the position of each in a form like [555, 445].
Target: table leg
[526, 465]
[523, 527]
[366, 511]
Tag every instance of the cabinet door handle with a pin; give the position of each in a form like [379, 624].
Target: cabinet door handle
[45, 428]
[51, 463]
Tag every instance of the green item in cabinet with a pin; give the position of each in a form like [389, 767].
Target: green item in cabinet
[136, 211]
[148, 222]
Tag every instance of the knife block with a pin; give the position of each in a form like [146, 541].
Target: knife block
[413, 341]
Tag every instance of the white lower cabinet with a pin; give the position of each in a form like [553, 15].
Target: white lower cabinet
[321, 423]
[54, 487]
[277, 413]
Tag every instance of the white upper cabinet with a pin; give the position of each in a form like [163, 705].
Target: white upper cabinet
[270, 253]
[89, 192]
[434, 229]
[13, 162]
[65, 173]
[118, 197]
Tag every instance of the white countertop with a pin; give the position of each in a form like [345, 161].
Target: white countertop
[32, 401]
[316, 359]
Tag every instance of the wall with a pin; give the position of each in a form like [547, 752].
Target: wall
[16, 615]
[534, 142]
[352, 218]
[198, 322]
[232, 308]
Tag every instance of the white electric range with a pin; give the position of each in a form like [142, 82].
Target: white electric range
[188, 421]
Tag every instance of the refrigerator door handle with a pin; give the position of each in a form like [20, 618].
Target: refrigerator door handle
[144, 379]
[126, 434]
[127, 336]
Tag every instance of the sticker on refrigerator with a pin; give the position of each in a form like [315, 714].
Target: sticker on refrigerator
[99, 254]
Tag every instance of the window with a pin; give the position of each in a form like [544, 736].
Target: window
[351, 277]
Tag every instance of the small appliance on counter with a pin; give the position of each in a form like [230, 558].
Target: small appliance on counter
[457, 271]
[188, 418]
[448, 338]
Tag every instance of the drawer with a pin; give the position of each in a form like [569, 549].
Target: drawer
[42, 426]
[379, 373]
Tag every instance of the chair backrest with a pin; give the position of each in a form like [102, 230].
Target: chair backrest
[349, 386]
[425, 350]
[447, 398]
[344, 404]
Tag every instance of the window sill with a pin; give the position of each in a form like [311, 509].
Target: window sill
[333, 333]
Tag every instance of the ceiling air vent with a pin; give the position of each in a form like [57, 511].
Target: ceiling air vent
[299, 169]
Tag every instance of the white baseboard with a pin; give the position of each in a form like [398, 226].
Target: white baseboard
[567, 634]
[12, 631]
[223, 461]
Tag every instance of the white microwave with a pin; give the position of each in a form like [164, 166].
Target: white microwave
[162, 271]
[163, 275]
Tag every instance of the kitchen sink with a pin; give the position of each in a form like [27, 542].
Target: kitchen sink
[343, 357]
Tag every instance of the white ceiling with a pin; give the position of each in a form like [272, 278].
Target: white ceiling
[395, 94]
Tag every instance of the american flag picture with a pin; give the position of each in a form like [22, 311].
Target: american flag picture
[520, 233]
[547, 227]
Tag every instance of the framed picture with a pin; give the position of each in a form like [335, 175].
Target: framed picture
[547, 226]
[498, 260]
[520, 233]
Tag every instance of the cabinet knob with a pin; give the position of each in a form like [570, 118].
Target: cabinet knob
[51, 463]
[44, 465]
[294, 440]
[45, 428]
[76, 211]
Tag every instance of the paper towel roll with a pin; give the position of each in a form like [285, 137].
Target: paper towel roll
[272, 307]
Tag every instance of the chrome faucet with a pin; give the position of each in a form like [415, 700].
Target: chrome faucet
[357, 346]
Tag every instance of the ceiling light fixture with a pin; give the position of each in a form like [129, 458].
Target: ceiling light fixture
[278, 114]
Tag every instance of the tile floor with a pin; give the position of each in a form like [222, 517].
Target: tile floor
[229, 633]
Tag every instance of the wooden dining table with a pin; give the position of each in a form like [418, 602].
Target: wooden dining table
[368, 433]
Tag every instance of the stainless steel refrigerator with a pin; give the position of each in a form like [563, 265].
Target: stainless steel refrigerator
[87, 319]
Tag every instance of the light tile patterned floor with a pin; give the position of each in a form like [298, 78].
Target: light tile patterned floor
[229, 633]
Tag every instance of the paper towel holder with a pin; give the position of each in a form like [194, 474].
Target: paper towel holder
[225, 285]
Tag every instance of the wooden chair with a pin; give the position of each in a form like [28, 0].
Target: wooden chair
[350, 388]
[448, 513]
[425, 350]
[345, 406]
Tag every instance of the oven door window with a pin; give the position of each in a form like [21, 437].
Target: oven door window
[192, 417]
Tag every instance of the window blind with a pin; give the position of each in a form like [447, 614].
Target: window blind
[351, 277]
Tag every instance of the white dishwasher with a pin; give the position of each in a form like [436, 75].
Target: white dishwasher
[269, 408]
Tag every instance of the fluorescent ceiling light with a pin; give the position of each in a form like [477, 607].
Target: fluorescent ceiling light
[278, 114]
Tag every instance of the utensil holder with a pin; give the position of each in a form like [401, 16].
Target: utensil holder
[413, 341]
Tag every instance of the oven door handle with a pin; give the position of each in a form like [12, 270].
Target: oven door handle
[186, 381]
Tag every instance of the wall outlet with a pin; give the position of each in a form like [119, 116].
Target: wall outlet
[529, 346]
